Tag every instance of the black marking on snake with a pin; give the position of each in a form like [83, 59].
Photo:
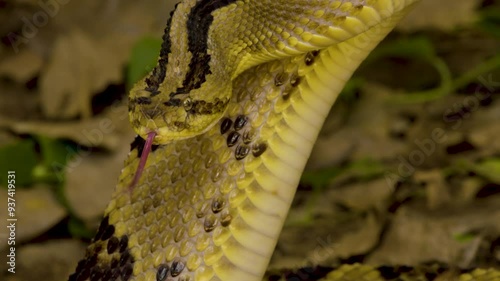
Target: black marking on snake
[240, 122]
[104, 224]
[258, 149]
[112, 245]
[177, 267]
[162, 273]
[198, 24]
[248, 136]
[392, 273]
[309, 58]
[295, 80]
[123, 243]
[113, 267]
[232, 138]
[158, 74]
[209, 223]
[173, 102]
[204, 107]
[108, 232]
[241, 152]
[280, 79]
[142, 100]
[225, 125]
[217, 205]
[226, 220]
[139, 144]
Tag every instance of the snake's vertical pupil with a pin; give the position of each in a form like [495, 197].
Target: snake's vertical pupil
[144, 157]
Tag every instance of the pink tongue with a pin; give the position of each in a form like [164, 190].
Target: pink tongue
[144, 158]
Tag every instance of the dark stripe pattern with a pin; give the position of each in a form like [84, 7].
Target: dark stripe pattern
[158, 74]
[198, 24]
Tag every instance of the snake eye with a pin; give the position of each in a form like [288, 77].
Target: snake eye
[187, 104]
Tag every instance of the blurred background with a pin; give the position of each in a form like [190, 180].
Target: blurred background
[406, 169]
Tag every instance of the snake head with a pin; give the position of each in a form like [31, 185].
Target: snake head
[176, 115]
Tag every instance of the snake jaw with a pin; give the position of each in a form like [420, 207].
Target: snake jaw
[144, 157]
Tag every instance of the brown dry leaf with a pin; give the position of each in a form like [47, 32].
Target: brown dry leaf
[485, 129]
[366, 132]
[437, 192]
[325, 241]
[53, 260]
[417, 235]
[360, 239]
[91, 179]
[105, 130]
[21, 67]
[37, 210]
[17, 102]
[441, 15]
[467, 192]
[331, 150]
[85, 46]
[70, 79]
[361, 195]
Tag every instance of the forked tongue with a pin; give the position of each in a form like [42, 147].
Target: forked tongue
[142, 162]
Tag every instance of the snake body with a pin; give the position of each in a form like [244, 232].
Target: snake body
[236, 102]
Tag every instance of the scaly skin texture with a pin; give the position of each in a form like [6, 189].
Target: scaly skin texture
[220, 179]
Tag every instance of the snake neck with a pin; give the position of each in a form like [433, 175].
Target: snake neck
[211, 206]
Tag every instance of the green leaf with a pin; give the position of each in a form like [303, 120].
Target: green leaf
[143, 59]
[490, 21]
[321, 178]
[363, 169]
[489, 168]
[54, 150]
[464, 237]
[412, 48]
[55, 155]
[418, 48]
[19, 157]
[366, 169]
[352, 86]
[490, 27]
[78, 229]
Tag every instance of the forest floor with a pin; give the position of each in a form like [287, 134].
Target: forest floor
[405, 171]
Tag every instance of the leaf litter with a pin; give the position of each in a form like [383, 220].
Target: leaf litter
[373, 202]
